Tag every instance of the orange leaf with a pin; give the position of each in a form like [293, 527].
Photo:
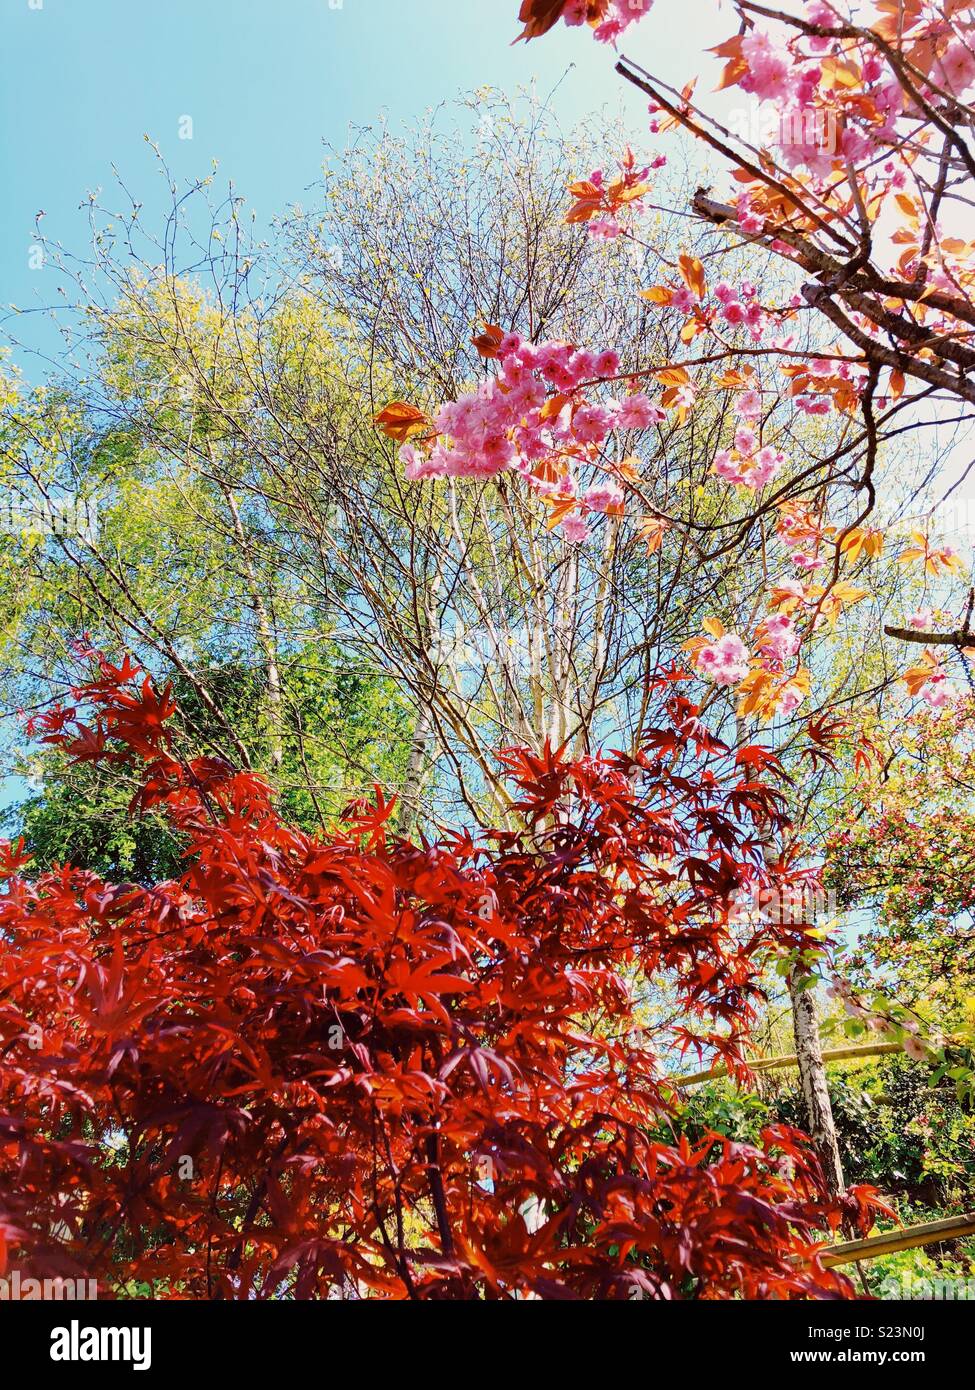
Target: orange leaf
[553, 406]
[731, 377]
[652, 529]
[488, 342]
[673, 376]
[400, 421]
[735, 66]
[658, 294]
[692, 273]
[583, 210]
[561, 508]
[583, 188]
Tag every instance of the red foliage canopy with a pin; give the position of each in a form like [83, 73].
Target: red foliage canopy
[313, 1065]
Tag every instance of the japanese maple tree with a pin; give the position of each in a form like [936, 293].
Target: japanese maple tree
[411, 1070]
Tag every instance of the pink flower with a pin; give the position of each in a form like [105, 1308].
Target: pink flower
[938, 690]
[956, 67]
[604, 229]
[921, 620]
[789, 699]
[591, 424]
[574, 528]
[497, 451]
[552, 356]
[607, 364]
[726, 467]
[602, 496]
[766, 465]
[582, 365]
[749, 405]
[779, 639]
[770, 69]
[637, 412]
[417, 466]
[872, 69]
[813, 405]
[622, 13]
[724, 661]
[575, 12]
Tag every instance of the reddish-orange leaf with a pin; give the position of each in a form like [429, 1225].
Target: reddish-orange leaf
[400, 421]
[488, 342]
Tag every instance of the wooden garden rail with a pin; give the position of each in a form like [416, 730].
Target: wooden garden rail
[907, 1238]
[832, 1054]
[888, 1242]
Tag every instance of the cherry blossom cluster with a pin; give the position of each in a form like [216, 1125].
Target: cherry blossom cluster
[600, 201]
[822, 123]
[778, 640]
[822, 375]
[748, 464]
[938, 690]
[614, 16]
[760, 673]
[725, 661]
[833, 102]
[535, 417]
[727, 306]
[802, 533]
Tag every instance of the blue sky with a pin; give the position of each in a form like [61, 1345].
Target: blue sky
[265, 83]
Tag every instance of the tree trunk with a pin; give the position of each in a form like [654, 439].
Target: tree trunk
[812, 1073]
[265, 637]
[416, 769]
[809, 1060]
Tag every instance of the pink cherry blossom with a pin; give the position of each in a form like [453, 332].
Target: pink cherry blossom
[574, 528]
[592, 423]
[637, 412]
[789, 699]
[937, 691]
[778, 639]
[602, 496]
[604, 228]
[725, 661]
[956, 67]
